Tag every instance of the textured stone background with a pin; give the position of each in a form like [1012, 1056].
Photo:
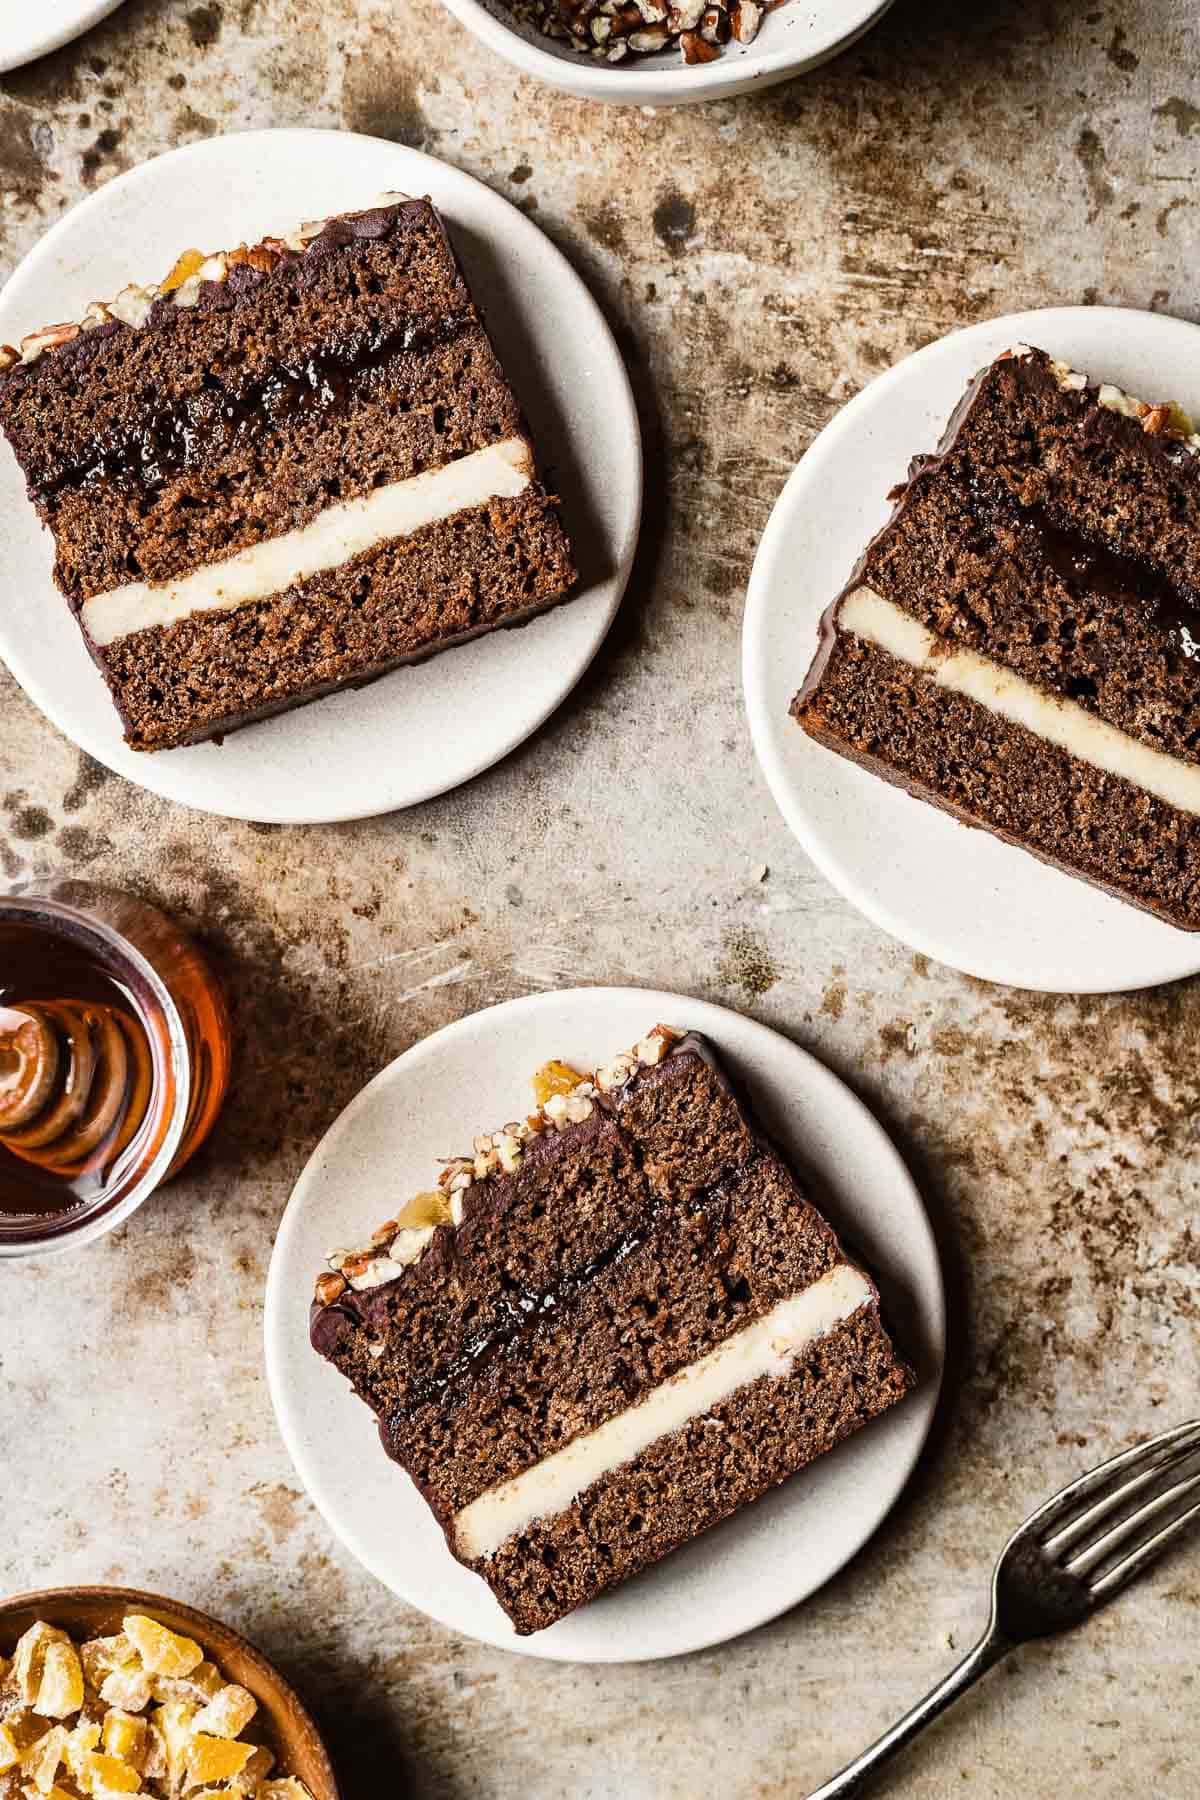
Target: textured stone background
[759, 259]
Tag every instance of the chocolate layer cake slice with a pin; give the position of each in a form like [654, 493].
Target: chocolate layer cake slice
[614, 1324]
[1019, 643]
[286, 470]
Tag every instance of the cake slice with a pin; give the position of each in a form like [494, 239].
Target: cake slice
[617, 1322]
[1019, 644]
[285, 470]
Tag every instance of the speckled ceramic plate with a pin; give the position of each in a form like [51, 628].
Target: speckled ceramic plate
[418, 731]
[384, 1147]
[956, 894]
[29, 28]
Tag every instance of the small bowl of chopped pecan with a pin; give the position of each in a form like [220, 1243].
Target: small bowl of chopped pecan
[666, 52]
[106, 1691]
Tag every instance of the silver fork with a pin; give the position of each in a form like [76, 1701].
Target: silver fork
[1067, 1560]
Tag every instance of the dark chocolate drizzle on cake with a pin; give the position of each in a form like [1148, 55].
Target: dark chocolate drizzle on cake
[519, 1311]
[1099, 568]
[179, 438]
[519, 1315]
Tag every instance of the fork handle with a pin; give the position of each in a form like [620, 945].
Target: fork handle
[854, 1777]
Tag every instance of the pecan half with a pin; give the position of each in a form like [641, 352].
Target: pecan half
[48, 338]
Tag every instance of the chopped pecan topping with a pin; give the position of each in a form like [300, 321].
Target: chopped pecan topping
[48, 338]
[746, 17]
[564, 1096]
[192, 270]
[695, 50]
[610, 29]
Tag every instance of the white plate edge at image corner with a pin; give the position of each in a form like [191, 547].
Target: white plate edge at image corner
[700, 1596]
[958, 895]
[29, 31]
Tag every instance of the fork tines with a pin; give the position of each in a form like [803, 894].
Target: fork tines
[1162, 1477]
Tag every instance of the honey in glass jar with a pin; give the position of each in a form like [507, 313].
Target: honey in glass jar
[114, 1060]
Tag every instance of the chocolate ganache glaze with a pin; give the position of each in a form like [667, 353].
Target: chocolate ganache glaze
[518, 1311]
[242, 279]
[1173, 606]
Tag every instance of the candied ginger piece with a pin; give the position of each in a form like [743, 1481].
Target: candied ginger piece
[154, 1764]
[41, 1761]
[162, 1652]
[215, 1759]
[100, 1656]
[176, 1720]
[104, 1775]
[129, 1688]
[286, 1789]
[256, 1770]
[29, 1658]
[228, 1712]
[60, 1691]
[200, 1685]
[10, 1754]
[183, 269]
[555, 1077]
[125, 1736]
[429, 1207]
[83, 1738]
[54, 1792]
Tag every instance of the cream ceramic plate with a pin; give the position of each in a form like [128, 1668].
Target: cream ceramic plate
[956, 894]
[29, 29]
[418, 731]
[383, 1148]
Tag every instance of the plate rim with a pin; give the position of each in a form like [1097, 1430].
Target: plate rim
[926, 1400]
[760, 716]
[617, 382]
[35, 45]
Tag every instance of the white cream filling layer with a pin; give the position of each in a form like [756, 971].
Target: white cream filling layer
[346, 529]
[1065, 723]
[767, 1346]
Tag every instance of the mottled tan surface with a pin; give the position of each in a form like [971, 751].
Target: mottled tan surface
[760, 260]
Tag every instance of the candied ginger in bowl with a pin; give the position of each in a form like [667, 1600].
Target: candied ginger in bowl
[141, 1711]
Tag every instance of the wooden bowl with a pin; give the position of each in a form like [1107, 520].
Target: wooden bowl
[282, 1720]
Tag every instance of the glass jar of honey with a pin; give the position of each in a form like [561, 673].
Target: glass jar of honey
[114, 1060]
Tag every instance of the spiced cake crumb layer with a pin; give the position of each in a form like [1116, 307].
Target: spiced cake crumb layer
[1020, 644]
[616, 1322]
[287, 470]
